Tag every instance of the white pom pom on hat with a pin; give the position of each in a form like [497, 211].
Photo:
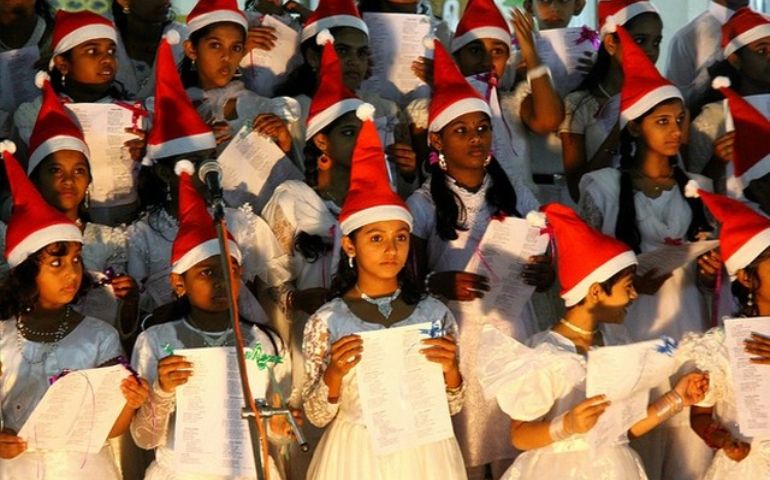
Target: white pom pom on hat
[720, 82]
[40, 79]
[324, 37]
[7, 146]
[172, 37]
[365, 112]
[184, 166]
[610, 25]
[692, 189]
[536, 219]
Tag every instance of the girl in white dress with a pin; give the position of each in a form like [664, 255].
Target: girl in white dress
[545, 392]
[201, 321]
[467, 189]
[373, 291]
[745, 244]
[590, 135]
[42, 335]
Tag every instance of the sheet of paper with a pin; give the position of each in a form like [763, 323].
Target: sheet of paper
[760, 102]
[92, 401]
[670, 257]
[263, 70]
[209, 407]
[561, 49]
[618, 418]
[501, 256]
[403, 396]
[252, 167]
[113, 170]
[17, 77]
[396, 40]
[751, 383]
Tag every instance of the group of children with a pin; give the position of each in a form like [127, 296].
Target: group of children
[383, 230]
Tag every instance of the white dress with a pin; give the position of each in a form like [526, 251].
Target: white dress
[548, 384]
[709, 353]
[481, 428]
[345, 451]
[149, 257]
[585, 116]
[154, 423]
[26, 373]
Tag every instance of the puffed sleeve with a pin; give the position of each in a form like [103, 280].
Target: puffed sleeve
[424, 212]
[707, 127]
[576, 110]
[708, 353]
[316, 349]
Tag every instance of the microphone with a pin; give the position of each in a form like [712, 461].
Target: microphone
[210, 174]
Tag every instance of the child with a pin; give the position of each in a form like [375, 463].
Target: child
[82, 70]
[215, 48]
[198, 282]
[551, 14]
[590, 133]
[745, 40]
[151, 237]
[745, 244]
[452, 210]
[545, 393]
[643, 204]
[41, 335]
[373, 291]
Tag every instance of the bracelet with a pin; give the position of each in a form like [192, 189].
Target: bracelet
[290, 300]
[427, 281]
[537, 72]
[668, 405]
[557, 430]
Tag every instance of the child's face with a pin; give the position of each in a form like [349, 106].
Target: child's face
[647, 31]
[90, 63]
[217, 55]
[204, 285]
[612, 308]
[481, 56]
[58, 280]
[553, 13]
[339, 142]
[149, 11]
[465, 142]
[352, 46]
[63, 179]
[753, 61]
[661, 130]
[380, 249]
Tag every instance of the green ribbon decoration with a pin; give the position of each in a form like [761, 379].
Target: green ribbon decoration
[262, 359]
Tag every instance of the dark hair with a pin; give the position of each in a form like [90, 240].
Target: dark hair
[742, 293]
[723, 68]
[121, 18]
[188, 74]
[626, 228]
[19, 292]
[35, 177]
[43, 10]
[412, 290]
[450, 211]
[608, 284]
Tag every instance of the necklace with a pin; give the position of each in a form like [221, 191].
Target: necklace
[211, 339]
[24, 332]
[658, 183]
[604, 92]
[384, 304]
[578, 330]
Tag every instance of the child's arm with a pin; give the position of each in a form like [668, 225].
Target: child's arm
[689, 390]
[135, 391]
[581, 419]
[11, 446]
[717, 436]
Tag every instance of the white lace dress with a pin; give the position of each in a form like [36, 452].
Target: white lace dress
[27, 369]
[481, 428]
[548, 384]
[154, 423]
[709, 353]
[149, 257]
[345, 451]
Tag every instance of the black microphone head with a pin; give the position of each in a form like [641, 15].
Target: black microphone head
[209, 166]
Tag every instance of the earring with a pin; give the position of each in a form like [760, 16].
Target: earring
[750, 299]
[324, 162]
[87, 200]
[488, 160]
[193, 67]
[350, 261]
[168, 192]
[63, 81]
[126, 10]
[441, 161]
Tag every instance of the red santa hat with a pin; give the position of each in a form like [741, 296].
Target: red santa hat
[70, 29]
[481, 19]
[177, 128]
[584, 256]
[751, 158]
[452, 94]
[333, 14]
[54, 130]
[207, 12]
[196, 240]
[744, 234]
[332, 99]
[33, 223]
[370, 198]
[744, 27]
[643, 85]
[621, 11]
